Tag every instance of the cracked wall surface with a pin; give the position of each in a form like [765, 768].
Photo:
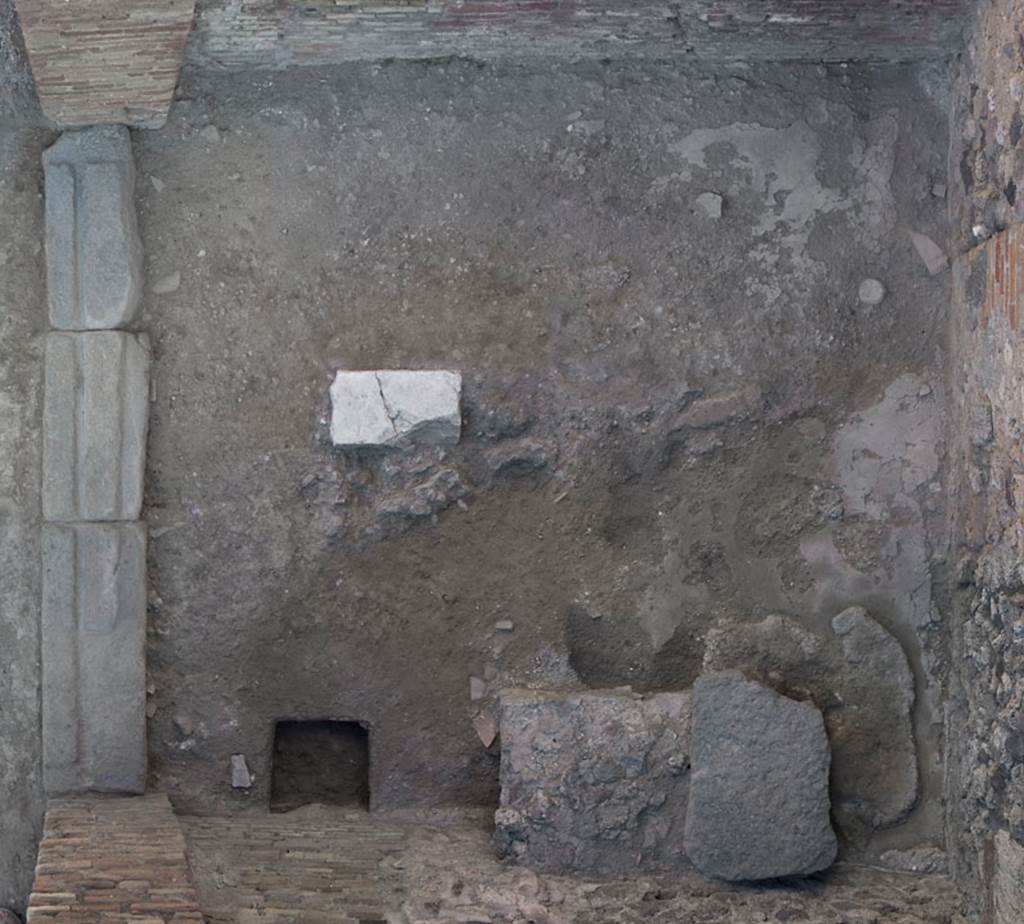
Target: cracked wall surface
[671, 421]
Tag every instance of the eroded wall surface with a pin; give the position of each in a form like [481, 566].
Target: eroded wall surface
[22, 323]
[986, 713]
[671, 421]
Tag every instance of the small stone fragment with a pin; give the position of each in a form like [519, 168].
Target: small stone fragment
[184, 725]
[504, 625]
[711, 204]
[240, 776]
[158, 184]
[939, 190]
[759, 803]
[167, 284]
[477, 688]
[486, 730]
[872, 292]
[211, 133]
[933, 256]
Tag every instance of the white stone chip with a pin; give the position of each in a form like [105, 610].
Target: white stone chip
[933, 256]
[872, 292]
[241, 778]
[711, 204]
[389, 408]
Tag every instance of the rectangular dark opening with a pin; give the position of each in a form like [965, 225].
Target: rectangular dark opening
[320, 761]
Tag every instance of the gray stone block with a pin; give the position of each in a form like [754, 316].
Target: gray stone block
[860, 678]
[593, 782]
[95, 413]
[759, 804]
[93, 652]
[396, 407]
[93, 250]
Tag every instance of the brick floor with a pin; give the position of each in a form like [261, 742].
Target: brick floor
[295, 867]
[112, 860]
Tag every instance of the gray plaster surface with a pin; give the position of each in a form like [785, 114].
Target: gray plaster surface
[94, 256]
[93, 654]
[94, 425]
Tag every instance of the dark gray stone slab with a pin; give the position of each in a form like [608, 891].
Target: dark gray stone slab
[593, 782]
[93, 650]
[93, 250]
[95, 414]
[759, 804]
[860, 678]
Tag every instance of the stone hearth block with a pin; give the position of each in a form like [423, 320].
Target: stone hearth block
[93, 653]
[593, 782]
[759, 804]
[394, 407]
[95, 413]
[93, 251]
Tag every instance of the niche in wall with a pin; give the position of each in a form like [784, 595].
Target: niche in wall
[320, 761]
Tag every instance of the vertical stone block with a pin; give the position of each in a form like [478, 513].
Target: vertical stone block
[95, 413]
[93, 251]
[93, 643]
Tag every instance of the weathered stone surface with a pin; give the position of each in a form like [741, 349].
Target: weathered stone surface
[860, 679]
[93, 644]
[95, 413]
[93, 251]
[396, 408]
[759, 805]
[1008, 881]
[593, 782]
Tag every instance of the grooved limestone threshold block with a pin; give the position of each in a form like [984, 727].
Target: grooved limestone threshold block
[93, 251]
[93, 645]
[95, 414]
